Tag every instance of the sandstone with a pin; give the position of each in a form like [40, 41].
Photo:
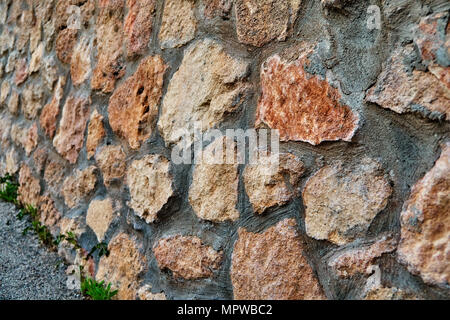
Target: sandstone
[402, 91]
[29, 188]
[49, 72]
[425, 224]
[123, 266]
[18, 134]
[213, 194]
[145, 293]
[341, 202]
[150, 184]
[32, 97]
[178, 25]
[133, 108]
[6, 40]
[5, 130]
[261, 21]
[70, 135]
[80, 63]
[217, 8]
[138, 25]
[270, 183]
[207, 86]
[110, 64]
[62, 14]
[31, 139]
[79, 186]
[96, 133]
[187, 257]
[23, 29]
[50, 112]
[112, 163]
[359, 260]
[49, 215]
[12, 162]
[13, 103]
[302, 107]
[35, 37]
[39, 159]
[49, 34]
[21, 74]
[36, 58]
[271, 266]
[12, 61]
[65, 42]
[99, 216]
[54, 174]
[4, 92]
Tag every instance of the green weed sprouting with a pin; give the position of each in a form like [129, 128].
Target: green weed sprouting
[8, 189]
[102, 249]
[97, 290]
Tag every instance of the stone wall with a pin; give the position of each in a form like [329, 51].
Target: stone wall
[359, 207]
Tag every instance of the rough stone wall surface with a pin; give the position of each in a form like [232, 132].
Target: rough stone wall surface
[358, 208]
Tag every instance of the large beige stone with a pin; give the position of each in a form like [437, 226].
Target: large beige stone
[70, 135]
[178, 24]
[187, 257]
[123, 266]
[112, 163]
[49, 214]
[270, 183]
[271, 266]
[133, 108]
[77, 187]
[150, 184]
[32, 100]
[301, 106]
[96, 133]
[13, 103]
[138, 25]
[29, 187]
[54, 173]
[36, 58]
[12, 162]
[213, 194]
[340, 202]
[207, 86]
[4, 92]
[80, 62]
[99, 216]
[261, 21]
[425, 224]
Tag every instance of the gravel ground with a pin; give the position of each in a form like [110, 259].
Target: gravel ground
[28, 270]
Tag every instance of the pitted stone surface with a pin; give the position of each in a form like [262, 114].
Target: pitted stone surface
[178, 23]
[138, 25]
[111, 161]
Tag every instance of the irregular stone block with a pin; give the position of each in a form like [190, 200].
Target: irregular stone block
[217, 8]
[111, 161]
[301, 106]
[271, 266]
[54, 174]
[70, 135]
[21, 75]
[178, 24]
[6, 40]
[65, 42]
[40, 159]
[207, 86]
[32, 100]
[4, 91]
[99, 216]
[187, 257]
[340, 203]
[213, 194]
[133, 108]
[36, 58]
[12, 162]
[13, 103]
[150, 184]
[425, 227]
[50, 112]
[49, 215]
[79, 186]
[29, 188]
[261, 21]
[80, 63]
[272, 183]
[138, 25]
[123, 266]
[31, 139]
[96, 133]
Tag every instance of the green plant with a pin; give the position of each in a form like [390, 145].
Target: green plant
[97, 290]
[8, 189]
[102, 249]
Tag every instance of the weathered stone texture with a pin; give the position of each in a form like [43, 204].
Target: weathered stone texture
[207, 86]
[187, 257]
[425, 224]
[31, 139]
[302, 107]
[70, 135]
[80, 185]
[150, 184]
[32, 100]
[99, 216]
[145, 293]
[36, 58]
[133, 108]
[217, 8]
[54, 174]
[65, 42]
[179, 24]
[12, 162]
[22, 72]
[123, 266]
[272, 182]
[270, 265]
[261, 21]
[360, 259]
[49, 214]
[29, 187]
[138, 25]
[80, 62]
[213, 193]
[340, 203]
[13, 103]
[111, 161]
[96, 133]
[50, 112]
